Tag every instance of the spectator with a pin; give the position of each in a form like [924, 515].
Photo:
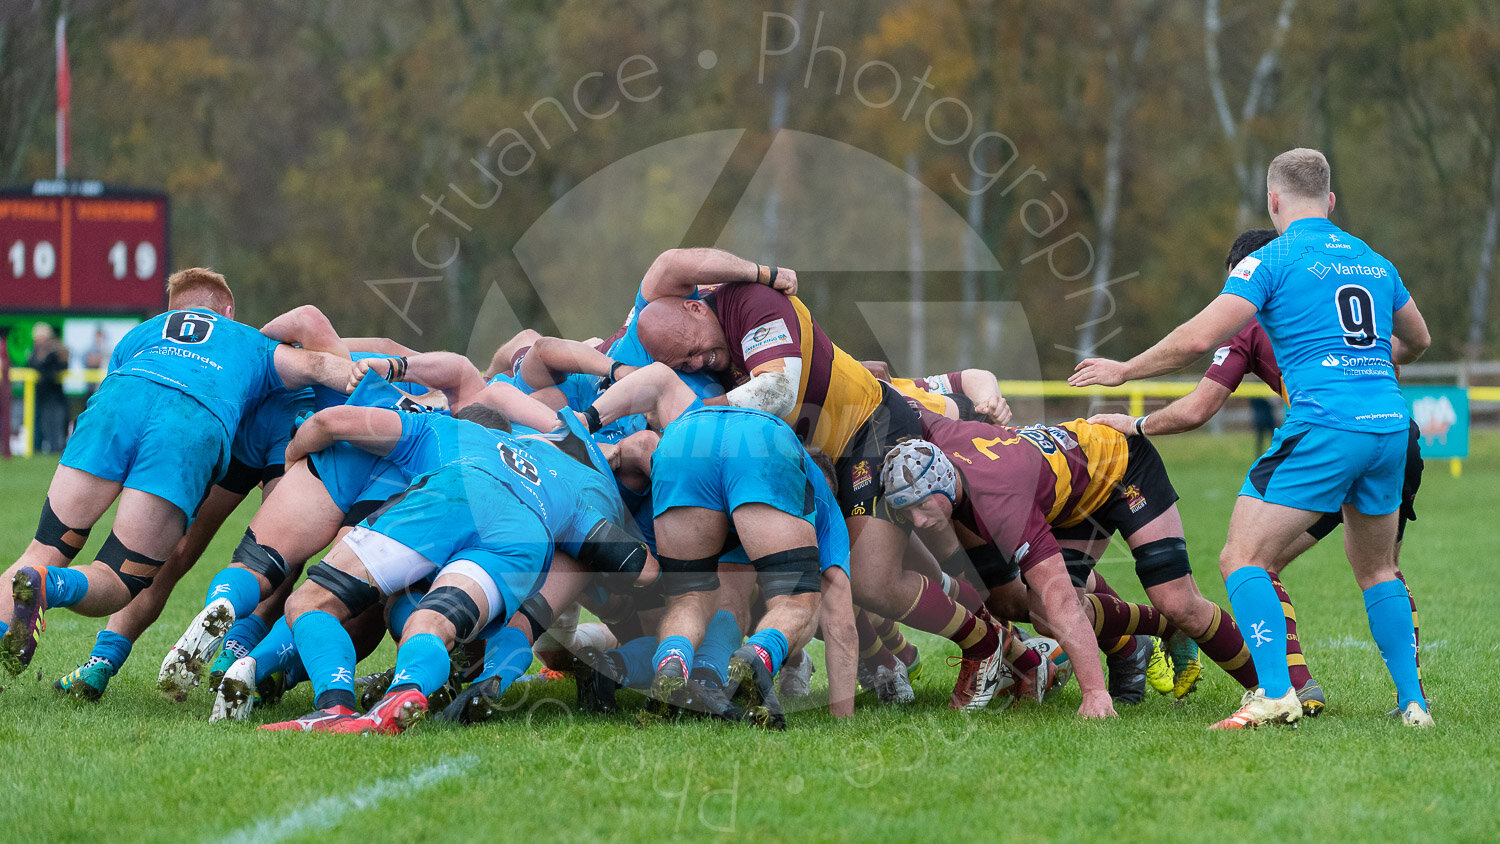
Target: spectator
[49, 357]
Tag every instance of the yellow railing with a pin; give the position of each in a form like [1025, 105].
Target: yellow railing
[26, 377]
[1137, 393]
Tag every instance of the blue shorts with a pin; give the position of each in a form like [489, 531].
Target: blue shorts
[1319, 469]
[721, 458]
[152, 438]
[465, 520]
[351, 475]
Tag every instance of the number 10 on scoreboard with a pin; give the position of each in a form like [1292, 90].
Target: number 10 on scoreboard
[99, 250]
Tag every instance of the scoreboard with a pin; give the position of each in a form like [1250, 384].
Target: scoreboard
[79, 246]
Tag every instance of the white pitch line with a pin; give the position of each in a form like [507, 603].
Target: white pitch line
[327, 812]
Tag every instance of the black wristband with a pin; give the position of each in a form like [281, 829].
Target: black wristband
[591, 415]
[772, 281]
[1140, 425]
[612, 367]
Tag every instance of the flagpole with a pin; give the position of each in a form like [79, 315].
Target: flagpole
[64, 94]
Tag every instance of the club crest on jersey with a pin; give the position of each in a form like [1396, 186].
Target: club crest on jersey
[766, 336]
[861, 475]
[1133, 498]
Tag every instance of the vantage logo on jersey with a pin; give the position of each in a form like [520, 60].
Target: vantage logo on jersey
[1220, 355]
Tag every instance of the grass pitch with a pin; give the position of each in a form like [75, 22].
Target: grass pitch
[135, 767]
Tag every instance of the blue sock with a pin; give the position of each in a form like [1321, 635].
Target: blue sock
[328, 653]
[1389, 607]
[401, 608]
[718, 646]
[295, 673]
[677, 646]
[422, 661]
[239, 586]
[773, 644]
[245, 635]
[112, 648]
[1258, 612]
[507, 655]
[636, 655]
[276, 651]
[65, 587]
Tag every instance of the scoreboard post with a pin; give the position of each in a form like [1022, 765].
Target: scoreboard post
[82, 247]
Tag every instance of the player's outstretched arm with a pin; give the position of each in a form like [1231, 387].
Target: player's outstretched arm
[654, 389]
[680, 272]
[553, 359]
[518, 407]
[840, 641]
[307, 327]
[299, 368]
[450, 372]
[1048, 580]
[378, 346]
[1183, 414]
[1213, 325]
[373, 429]
[1409, 335]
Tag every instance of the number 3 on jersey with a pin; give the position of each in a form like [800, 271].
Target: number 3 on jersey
[188, 327]
[518, 464]
[1356, 315]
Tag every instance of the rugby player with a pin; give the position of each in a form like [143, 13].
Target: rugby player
[780, 361]
[717, 471]
[1330, 305]
[1247, 352]
[155, 436]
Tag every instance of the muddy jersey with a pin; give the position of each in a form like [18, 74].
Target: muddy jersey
[1020, 482]
[835, 394]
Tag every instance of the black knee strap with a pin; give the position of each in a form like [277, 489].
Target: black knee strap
[1161, 561]
[794, 572]
[261, 559]
[134, 569]
[612, 551]
[454, 604]
[679, 576]
[355, 594]
[992, 565]
[51, 531]
[1325, 525]
[538, 613]
[1080, 566]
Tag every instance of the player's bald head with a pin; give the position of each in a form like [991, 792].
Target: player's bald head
[682, 333]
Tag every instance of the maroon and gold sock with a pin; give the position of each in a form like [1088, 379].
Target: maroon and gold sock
[1296, 663]
[1223, 644]
[1121, 646]
[1016, 653]
[1102, 587]
[935, 612]
[890, 636]
[871, 651]
[968, 597]
[1114, 617]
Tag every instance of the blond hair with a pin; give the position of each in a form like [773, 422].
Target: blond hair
[199, 288]
[1300, 172]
